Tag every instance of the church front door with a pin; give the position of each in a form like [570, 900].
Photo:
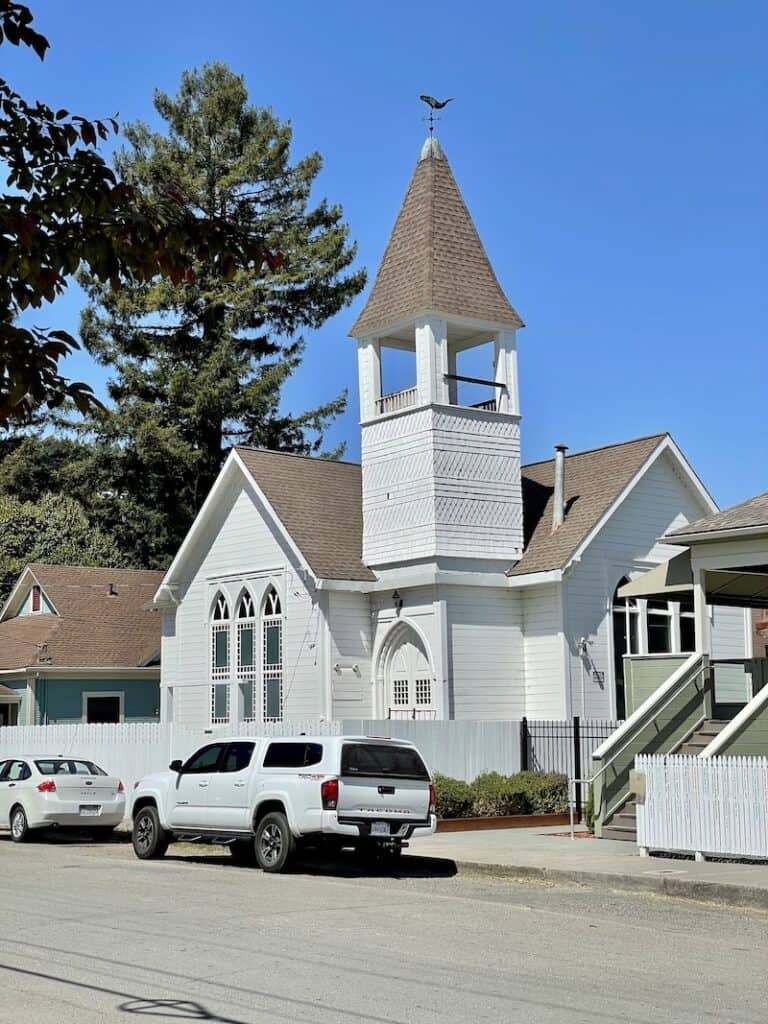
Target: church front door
[411, 686]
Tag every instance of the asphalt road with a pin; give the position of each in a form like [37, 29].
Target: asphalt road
[88, 933]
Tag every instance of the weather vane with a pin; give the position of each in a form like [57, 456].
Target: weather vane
[434, 105]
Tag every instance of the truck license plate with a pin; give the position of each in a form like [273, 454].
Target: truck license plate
[87, 810]
[379, 828]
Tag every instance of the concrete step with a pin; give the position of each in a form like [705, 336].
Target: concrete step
[623, 833]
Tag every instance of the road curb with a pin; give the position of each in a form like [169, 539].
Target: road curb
[744, 896]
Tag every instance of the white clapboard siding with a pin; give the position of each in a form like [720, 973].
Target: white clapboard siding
[706, 806]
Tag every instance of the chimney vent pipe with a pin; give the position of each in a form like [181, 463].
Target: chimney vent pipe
[558, 511]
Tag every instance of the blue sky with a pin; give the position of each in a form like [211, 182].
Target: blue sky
[614, 158]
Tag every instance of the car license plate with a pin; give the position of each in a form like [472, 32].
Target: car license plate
[89, 810]
[379, 828]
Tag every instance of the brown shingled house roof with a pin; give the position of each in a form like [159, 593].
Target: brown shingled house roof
[593, 481]
[319, 502]
[93, 628]
[746, 515]
[435, 261]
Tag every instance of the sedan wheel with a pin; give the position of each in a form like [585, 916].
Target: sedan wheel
[19, 825]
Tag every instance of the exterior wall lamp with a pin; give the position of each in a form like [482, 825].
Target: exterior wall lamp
[397, 601]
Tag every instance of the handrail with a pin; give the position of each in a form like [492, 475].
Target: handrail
[672, 696]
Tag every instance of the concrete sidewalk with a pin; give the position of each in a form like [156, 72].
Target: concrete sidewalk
[549, 853]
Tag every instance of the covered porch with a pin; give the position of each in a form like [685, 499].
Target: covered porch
[704, 577]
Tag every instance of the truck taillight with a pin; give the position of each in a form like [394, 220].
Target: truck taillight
[47, 786]
[432, 798]
[329, 791]
[120, 786]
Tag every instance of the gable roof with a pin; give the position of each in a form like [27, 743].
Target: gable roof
[319, 503]
[93, 629]
[435, 261]
[593, 482]
[747, 515]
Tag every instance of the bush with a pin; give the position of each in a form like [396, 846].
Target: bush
[500, 794]
[454, 797]
[589, 810]
[491, 795]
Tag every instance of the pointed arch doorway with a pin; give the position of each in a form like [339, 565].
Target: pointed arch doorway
[407, 675]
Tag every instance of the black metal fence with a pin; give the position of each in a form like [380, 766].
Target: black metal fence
[548, 745]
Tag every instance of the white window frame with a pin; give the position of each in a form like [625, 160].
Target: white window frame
[87, 694]
[220, 677]
[248, 674]
[269, 674]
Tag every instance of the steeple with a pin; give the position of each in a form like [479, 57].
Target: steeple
[441, 470]
[435, 261]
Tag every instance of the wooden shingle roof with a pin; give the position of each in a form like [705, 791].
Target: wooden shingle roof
[320, 504]
[593, 481]
[93, 628]
[435, 261]
[744, 516]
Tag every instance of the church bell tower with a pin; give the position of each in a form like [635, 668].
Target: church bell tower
[441, 479]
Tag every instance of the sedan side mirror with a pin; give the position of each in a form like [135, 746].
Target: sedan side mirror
[175, 766]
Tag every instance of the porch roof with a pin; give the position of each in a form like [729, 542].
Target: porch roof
[745, 587]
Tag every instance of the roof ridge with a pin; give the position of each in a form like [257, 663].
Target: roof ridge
[599, 448]
[101, 568]
[295, 455]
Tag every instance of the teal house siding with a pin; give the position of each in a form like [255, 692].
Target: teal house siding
[61, 700]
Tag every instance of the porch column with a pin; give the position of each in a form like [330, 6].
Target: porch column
[701, 613]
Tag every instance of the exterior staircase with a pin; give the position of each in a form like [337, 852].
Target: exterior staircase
[623, 824]
[700, 737]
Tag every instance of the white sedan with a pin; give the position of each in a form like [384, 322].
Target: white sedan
[71, 792]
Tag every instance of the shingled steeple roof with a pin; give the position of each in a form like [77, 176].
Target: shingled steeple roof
[435, 261]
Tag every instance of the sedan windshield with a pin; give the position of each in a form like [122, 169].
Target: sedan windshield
[59, 766]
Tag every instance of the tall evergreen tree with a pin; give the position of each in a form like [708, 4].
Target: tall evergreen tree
[200, 366]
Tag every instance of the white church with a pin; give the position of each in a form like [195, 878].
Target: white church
[440, 578]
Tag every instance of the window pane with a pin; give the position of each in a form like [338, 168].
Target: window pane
[272, 643]
[246, 646]
[220, 702]
[687, 634]
[102, 709]
[293, 755]
[238, 757]
[659, 640]
[205, 760]
[377, 759]
[272, 702]
[221, 649]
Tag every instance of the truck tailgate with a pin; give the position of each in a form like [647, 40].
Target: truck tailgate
[381, 780]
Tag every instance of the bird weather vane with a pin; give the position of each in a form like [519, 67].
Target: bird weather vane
[434, 105]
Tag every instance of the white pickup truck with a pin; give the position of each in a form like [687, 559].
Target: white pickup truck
[260, 797]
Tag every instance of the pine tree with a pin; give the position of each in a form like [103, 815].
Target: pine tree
[200, 366]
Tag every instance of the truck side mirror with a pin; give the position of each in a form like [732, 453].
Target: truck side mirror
[175, 766]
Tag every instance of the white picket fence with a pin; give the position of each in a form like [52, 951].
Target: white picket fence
[705, 806]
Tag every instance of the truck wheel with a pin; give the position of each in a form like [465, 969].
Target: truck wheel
[275, 844]
[243, 852]
[20, 832]
[149, 837]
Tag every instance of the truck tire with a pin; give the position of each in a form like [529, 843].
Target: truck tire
[275, 844]
[150, 840]
[243, 852]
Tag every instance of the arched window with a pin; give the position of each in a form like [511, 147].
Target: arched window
[272, 657]
[220, 661]
[246, 654]
[625, 640]
[409, 682]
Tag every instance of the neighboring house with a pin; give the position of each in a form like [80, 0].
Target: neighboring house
[439, 579]
[710, 702]
[79, 644]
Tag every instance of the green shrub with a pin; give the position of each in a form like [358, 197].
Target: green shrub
[500, 794]
[589, 810]
[491, 795]
[547, 791]
[454, 797]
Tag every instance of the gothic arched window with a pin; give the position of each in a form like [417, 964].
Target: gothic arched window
[272, 657]
[220, 660]
[246, 654]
